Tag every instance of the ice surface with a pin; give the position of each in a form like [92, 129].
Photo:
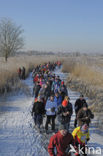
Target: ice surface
[17, 135]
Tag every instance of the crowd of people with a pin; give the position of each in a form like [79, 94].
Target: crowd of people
[51, 99]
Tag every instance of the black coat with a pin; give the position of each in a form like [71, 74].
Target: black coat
[48, 91]
[62, 110]
[36, 90]
[38, 108]
[79, 104]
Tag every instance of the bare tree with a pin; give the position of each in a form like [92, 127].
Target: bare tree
[11, 39]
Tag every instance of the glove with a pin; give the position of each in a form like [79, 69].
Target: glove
[88, 139]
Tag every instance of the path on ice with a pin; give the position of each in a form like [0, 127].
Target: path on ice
[17, 136]
[96, 136]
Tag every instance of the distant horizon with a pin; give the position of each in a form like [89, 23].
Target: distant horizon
[66, 52]
[58, 25]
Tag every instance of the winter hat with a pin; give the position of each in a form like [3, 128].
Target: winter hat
[62, 82]
[85, 104]
[62, 127]
[81, 95]
[64, 103]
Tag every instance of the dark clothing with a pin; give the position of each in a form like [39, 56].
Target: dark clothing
[38, 119]
[50, 81]
[75, 121]
[78, 105]
[64, 91]
[81, 117]
[50, 119]
[68, 108]
[47, 92]
[23, 73]
[19, 73]
[38, 108]
[63, 95]
[60, 143]
[36, 90]
[61, 110]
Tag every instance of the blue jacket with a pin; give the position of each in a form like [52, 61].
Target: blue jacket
[49, 106]
[58, 100]
[55, 86]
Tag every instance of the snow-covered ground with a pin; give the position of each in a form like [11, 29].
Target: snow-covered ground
[17, 135]
[96, 136]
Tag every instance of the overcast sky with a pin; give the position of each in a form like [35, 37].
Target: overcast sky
[58, 25]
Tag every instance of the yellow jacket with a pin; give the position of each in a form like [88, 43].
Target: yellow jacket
[79, 136]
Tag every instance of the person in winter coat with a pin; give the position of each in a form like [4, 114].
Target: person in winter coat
[19, 72]
[23, 73]
[63, 90]
[36, 78]
[59, 143]
[51, 108]
[84, 115]
[59, 80]
[58, 99]
[55, 85]
[43, 91]
[47, 90]
[81, 137]
[36, 89]
[37, 112]
[78, 105]
[65, 112]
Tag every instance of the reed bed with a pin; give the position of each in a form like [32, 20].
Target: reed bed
[8, 70]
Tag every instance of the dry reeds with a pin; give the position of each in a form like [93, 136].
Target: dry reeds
[8, 70]
[83, 71]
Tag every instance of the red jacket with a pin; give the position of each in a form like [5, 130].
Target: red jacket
[36, 78]
[60, 142]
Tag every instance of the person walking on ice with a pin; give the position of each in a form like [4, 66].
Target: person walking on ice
[78, 105]
[58, 144]
[51, 108]
[81, 137]
[65, 112]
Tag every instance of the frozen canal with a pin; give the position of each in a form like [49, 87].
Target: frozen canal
[17, 136]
